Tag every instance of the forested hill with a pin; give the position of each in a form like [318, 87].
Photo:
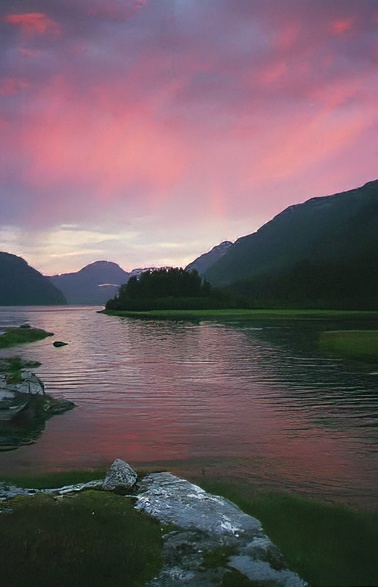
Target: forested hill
[21, 285]
[322, 252]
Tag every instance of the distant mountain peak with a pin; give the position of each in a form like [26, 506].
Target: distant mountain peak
[204, 261]
[22, 285]
[93, 284]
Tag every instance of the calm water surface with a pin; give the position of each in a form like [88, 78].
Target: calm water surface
[257, 402]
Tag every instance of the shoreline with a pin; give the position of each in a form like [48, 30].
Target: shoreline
[247, 314]
[315, 538]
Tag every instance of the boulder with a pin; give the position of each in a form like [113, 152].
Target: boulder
[209, 527]
[28, 383]
[58, 343]
[120, 477]
[176, 501]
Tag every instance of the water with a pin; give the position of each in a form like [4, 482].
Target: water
[256, 402]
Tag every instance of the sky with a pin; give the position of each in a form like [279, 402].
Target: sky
[145, 132]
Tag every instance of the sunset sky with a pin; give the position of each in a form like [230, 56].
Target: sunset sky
[147, 131]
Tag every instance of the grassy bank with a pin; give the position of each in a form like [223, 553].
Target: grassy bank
[235, 314]
[89, 539]
[99, 538]
[325, 544]
[15, 336]
[360, 345]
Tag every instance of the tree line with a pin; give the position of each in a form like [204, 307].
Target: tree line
[168, 289]
[346, 284]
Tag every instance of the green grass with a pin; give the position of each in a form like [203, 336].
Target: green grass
[15, 364]
[90, 539]
[47, 542]
[236, 314]
[15, 336]
[51, 480]
[325, 544]
[354, 344]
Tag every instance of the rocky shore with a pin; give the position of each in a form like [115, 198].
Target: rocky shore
[24, 404]
[208, 535]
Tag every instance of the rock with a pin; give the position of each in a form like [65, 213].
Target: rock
[212, 539]
[54, 406]
[174, 500]
[16, 391]
[69, 489]
[6, 394]
[31, 384]
[209, 528]
[121, 477]
[58, 343]
[24, 405]
[10, 407]
[10, 491]
[26, 325]
[25, 382]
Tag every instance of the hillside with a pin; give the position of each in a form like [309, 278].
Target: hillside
[205, 261]
[323, 250]
[21, 285]
[94, 284]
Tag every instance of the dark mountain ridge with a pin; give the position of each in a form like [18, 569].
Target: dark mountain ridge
[322, 253]
[323, 228]
[206, 260]
[22, 285]
[94, 284]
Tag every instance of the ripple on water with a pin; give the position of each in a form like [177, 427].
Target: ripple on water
[239, 394]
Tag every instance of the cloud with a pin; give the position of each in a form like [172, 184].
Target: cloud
[33, 23]
[176, 117]
[10, 86]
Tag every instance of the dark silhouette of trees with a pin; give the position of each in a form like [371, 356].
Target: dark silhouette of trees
[351, 283]
[172, 288]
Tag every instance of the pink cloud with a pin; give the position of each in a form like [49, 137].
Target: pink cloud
[342, 26]
[11, 86]
[99, 142]
[196, 113]
[33, 23]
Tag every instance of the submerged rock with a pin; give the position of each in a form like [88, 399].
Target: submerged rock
[121, 477]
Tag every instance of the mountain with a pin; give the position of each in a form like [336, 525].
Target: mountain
[137, 272]
[204, 262]
[94, 284]
[328, 244]
[21, 285]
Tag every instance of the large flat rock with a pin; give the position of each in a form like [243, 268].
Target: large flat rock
[209, 527]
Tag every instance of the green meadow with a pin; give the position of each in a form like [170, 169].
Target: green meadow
[355, 344]
[325, 544]
[99, 539]
[247, 314]
[89, 539]
[15, 336]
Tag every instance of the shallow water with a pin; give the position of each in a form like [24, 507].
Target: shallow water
[257, 402]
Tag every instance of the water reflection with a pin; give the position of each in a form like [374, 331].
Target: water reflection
[25, 428]
[251, 401]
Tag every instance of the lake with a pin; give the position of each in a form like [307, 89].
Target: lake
[257, 402]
